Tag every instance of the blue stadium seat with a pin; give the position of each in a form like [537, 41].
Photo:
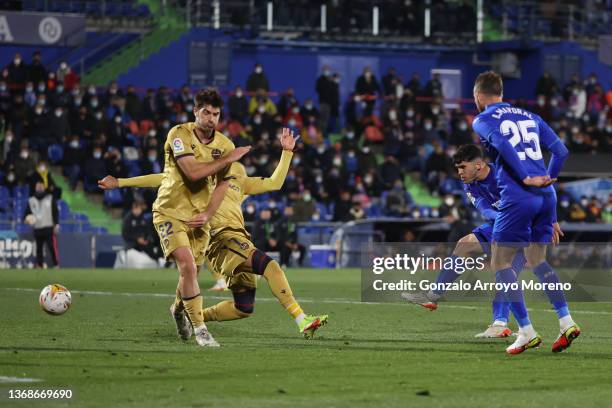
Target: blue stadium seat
[55, 153]
[21, 191]
[133, 168]
[113, 197]
[64, 210]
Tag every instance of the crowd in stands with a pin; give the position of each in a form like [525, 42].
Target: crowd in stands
[356, 156]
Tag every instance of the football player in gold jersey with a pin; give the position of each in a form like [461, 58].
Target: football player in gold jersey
[193, 184]
[231, 251]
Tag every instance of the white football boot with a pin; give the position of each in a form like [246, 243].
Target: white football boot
[204, 338]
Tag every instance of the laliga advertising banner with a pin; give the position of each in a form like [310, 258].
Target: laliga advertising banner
[42, 29]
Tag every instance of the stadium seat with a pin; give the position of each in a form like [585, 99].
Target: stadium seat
[20, 192]
[113, 197]
[55, 153]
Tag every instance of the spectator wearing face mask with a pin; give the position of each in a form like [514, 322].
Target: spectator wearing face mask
[43, 175]
[74, 158]
[257, 80]
[398, 200]
[133, 104]
[342, 207]
[238, 106]
[17, 72]
[8, 146]
[150, 164]
[94, 170]
[249, 213]
[42, 214]
[29, 94]
[293, 118]
[288, 237]
[25, 165]
[368, 89]
[59, 96]
[59, 126]
[304, 207]
[37, 71]
[117, 132]
[262, 104]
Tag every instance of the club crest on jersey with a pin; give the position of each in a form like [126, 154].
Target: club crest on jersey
[216, 153]
[178, 146]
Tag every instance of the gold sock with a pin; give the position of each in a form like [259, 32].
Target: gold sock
[193, 308]
[223, 311]
[281, 290]
[178, 302]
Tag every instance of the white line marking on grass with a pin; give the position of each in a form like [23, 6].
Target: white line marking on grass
[301, 300]
[4, 380]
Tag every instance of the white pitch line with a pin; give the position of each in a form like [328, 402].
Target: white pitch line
[301, 300]
[9, 380]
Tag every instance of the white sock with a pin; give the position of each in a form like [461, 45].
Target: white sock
[566, 322]
[500, 323]
[527, 331]
[199, 328]
[299, 319]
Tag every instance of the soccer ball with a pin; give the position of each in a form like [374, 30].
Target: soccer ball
[55, 299]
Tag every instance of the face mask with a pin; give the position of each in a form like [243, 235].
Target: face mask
[575, 130]
[94, 103]
[319, 179]
[463, 126]
[91, 91]
[257, 120]
[77, 102]
[118, 119]
[576, 92]
[392, 115]
[98, 115]
[272, 204]
[2, 88]
[609, 129]
[296, 110]
[38, 111]
[351, 154]
[42, 102]
[327, 72]
[449, 201]
[435, 111]
[368, 179]
[410, 113]
[24, 154]
[183, 119]
[63, 65]
[337, 161]
[166, 125]
[58, 113]
[152, 133]
[584, 203]
[239, 94]
[368, 75]
[60, 89]
[189, 108]
[97, 155]
[308, 106]
[9, 139]
[152, 158]
[428, 126]
[258, 70]
[41, 88]
[74, 92]
[541, 102]
[261, 109]
[337, 80]
[291, 123]
[112, 91]
[350, 135]
[29, 89]
[11, 177]
[307, 197]
[250, 210]
[17, 61]
[297, 161]
[42, 169]
[74, 144]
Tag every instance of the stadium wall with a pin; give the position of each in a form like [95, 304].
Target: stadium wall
[298, 67]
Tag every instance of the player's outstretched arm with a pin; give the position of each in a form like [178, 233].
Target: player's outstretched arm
[259, 185]
[195, 170]
[148, 180]
[555, 146]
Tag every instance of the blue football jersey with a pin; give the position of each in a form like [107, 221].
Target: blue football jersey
[484, 195]
[517, 137]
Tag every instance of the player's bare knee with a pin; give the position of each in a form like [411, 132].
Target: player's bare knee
[466, 245]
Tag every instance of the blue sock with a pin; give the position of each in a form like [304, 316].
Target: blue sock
[546, 274]
[514, 297]
[501, 308]
[446, 276]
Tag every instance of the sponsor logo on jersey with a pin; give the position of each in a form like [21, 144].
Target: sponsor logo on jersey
[178, 146]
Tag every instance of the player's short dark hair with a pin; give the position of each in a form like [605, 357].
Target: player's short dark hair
[468, 153]
[490, 83]
[209, 96]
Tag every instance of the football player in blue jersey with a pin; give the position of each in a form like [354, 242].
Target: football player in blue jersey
[528, 202]
[480, 186]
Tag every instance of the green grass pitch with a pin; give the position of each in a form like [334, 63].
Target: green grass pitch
[117, 347]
